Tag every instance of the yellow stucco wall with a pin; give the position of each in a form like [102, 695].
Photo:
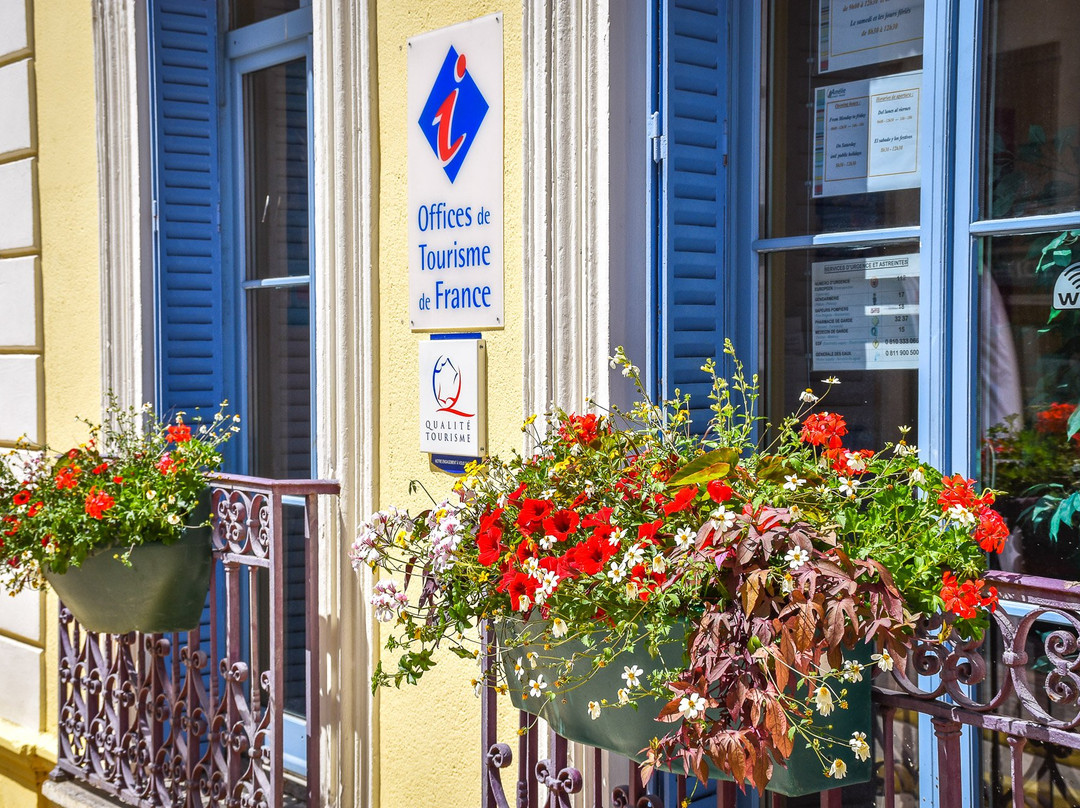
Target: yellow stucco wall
[68, 216]
[68, 190]
[436, 723]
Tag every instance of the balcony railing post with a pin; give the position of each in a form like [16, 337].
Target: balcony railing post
[950, 785]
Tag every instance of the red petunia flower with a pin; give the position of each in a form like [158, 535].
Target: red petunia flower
[166, 465]
[515, 498]
[682, 500]
[488, 538]
[823, 429]
[68, 477]
[991, 532]
[35, 509]
[97, 503]
[647, 532]
[179, 433]
[99, 469]
[532, 515]
[581, 428]
[561, 524]
[719, 491]
[21, 498]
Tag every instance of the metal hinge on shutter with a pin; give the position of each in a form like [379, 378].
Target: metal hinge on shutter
[658, 140]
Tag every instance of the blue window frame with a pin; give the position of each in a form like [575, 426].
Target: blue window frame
[234, 314]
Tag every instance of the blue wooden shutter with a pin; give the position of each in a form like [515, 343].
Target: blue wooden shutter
[692, 147]
[186, 192]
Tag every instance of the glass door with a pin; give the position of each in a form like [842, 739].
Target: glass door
[270, 118]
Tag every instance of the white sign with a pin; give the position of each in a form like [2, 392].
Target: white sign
[455, 143]
[452, 385]
[865, 313]
[1067, 288]
[866, 135]
[852, 33]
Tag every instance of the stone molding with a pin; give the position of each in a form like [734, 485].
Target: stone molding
[566, 249]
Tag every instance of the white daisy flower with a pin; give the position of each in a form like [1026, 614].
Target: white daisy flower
[859, 745]
[684, 537]
[792, 482]
[722, 514]
[831, 380]
[536, 686]
[659, 564]
[917, 476]
[960, 514]
[787, 584]
[547, 542]
[634, 555]
[852, 671]
[519, 669]
[883, 660]
[615, 573]
[848, 486]
[796, 557]
[823, 702]
[558, 627]
[855, 461]
[838, 770]
[594, 710]
[631, 674]
[808, 396]
[692, 706]
[624, 695]
[632, 590]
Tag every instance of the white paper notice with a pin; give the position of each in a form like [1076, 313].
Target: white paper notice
[866, 135]
[865, 313]
[852, 33]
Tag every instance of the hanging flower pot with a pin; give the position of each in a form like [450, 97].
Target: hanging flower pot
[118, 525]
[164, 589]
[584, 712]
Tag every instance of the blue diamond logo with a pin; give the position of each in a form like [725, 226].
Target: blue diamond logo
[452, 115]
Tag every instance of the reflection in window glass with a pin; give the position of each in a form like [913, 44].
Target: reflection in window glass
[246, 12]
[1030, 147]
[1029, 374]
[852, 315]
[800, 136]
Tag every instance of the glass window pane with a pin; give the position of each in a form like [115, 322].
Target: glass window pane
[279, 382]
[1029, 383]
[276, 138]
[852, 314]
[841, 136]
[1031, 77]
[245, 12]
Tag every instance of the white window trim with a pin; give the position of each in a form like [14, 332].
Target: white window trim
[125, 238]
[346, 359]
[566, 203]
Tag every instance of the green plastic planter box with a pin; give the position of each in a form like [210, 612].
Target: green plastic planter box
[628, 732]
[163, 590]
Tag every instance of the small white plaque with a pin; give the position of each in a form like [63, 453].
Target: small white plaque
[852, 33]
[866, 135]
[453, 420]
[866, 313]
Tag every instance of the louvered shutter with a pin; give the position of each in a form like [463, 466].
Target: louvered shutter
[693, 120]
[186, 198]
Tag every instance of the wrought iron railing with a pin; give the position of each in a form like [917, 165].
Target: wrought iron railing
[1022, 682]
[197, 719]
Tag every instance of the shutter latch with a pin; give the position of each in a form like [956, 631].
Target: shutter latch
[659, 141]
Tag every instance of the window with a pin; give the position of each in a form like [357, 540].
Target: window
[903, 215]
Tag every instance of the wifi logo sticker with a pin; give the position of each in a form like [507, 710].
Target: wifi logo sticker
[1067, 288]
